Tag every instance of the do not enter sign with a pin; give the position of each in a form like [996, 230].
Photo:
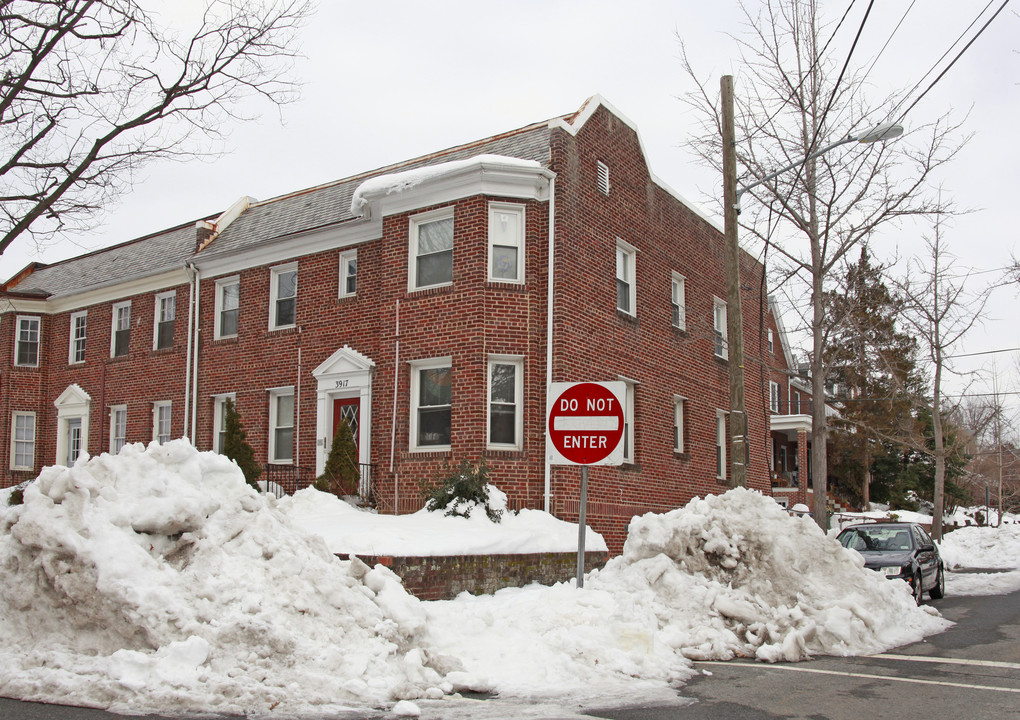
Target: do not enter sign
[586, 423]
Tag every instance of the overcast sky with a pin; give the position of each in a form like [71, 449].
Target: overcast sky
[388, 80]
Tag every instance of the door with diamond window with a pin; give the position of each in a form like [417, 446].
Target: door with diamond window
[348, 409]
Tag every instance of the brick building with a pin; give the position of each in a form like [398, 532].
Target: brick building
[430, 303]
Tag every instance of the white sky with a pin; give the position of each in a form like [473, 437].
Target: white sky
[391, 80]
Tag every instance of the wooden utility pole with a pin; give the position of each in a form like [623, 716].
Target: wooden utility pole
[734, 316]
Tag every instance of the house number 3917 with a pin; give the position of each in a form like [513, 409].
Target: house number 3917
[342, 383]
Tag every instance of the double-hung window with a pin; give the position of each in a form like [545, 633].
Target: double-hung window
[679, 408]
[166, 313]
[506, 243]
[720, 444]
[772, 346]
[773, 396]
[26, 342]
[161, 422]
[348, 273]
[626, 255]
[719, 328]
[220, 419]
[431, 402]
[228, 296]
[23, 441]
[281, 425]
[431, 255]
[506, 402]
[628, 421]
[677, 303]
[118, 428]
[795, 403]
[283, 297]
[120, 335]
[76, 342]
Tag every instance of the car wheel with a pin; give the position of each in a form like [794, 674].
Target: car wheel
[939, 590]
[918, 590]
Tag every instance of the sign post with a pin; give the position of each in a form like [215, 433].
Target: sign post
[585, 427]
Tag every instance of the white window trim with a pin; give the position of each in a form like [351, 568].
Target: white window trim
[518, 362]
[38, 339]
[772, 346]
[345, 262]
[416, 367]
[720, 443]
[114, 409]
[508, 209]
[678, 281]
[628, 419]
[631, 278]
[718, 303]
[275, 393]
[412, 256]
[773, 396]
[157, 314]
[114, 317]
[71, 339]
[156, 411]
[35, 434]
[219, 405]
[221, 284]
[274, 291]
[679, 413]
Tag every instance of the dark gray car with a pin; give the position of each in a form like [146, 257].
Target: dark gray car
[900, 551]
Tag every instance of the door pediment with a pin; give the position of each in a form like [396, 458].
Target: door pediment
[345, 361]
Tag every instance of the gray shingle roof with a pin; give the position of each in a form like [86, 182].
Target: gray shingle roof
[263, 221]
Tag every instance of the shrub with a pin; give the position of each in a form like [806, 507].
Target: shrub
[236, 447]
[457, 490]
[342, 471]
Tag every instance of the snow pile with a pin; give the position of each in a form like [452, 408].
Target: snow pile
[348, 530]
[982, 548]
[159, 579]
[730, 575]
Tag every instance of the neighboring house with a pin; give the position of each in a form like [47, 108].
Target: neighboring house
[413, 301]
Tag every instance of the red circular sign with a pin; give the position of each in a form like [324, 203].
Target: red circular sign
[586, 423]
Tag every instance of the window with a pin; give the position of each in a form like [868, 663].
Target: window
[719, 326]
[161, 422]
[678, 302]
[603, 177]
[431, 262]
[772, 347]
[76, 344]
[118, 428]
[628, 422]
[795, 402]
[506, 402]
[283, 297]
[349, 273]
[678, 423]
[228, 295]
[26, 342]
[431, 396]
[720, 444]
[625, 293]
[23, 441]
[120, 336]
[281, 425]
[220, 419]
[773, 396]
[506, 242]
[166, 312]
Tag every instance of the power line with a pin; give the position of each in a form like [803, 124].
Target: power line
[986, 352]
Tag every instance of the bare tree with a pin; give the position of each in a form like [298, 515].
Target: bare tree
[792, 100]
[941, 311]
[93, 89]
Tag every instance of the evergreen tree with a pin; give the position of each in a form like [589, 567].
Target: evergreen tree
[342, 471]
[876, 379]
[235, 444]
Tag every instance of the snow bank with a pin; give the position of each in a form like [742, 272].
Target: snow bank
[730, 575]
[158, 580]
[351, 531]
[982, 548]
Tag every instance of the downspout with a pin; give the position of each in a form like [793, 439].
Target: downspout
[549, 337]
[393, 431]
[188, 430]
[198, 323]
[297, 403]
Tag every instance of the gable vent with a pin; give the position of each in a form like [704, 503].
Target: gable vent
[603, 178]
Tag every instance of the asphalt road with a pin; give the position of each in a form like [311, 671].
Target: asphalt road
[969, 672]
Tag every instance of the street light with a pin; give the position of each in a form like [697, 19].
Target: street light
[734, 316]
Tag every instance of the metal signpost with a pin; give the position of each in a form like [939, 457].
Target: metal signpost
[585, 427]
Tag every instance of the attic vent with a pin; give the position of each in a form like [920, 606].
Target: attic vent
[603, 178]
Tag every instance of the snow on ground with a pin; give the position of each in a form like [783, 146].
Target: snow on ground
[982, 548]
[157, 581]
